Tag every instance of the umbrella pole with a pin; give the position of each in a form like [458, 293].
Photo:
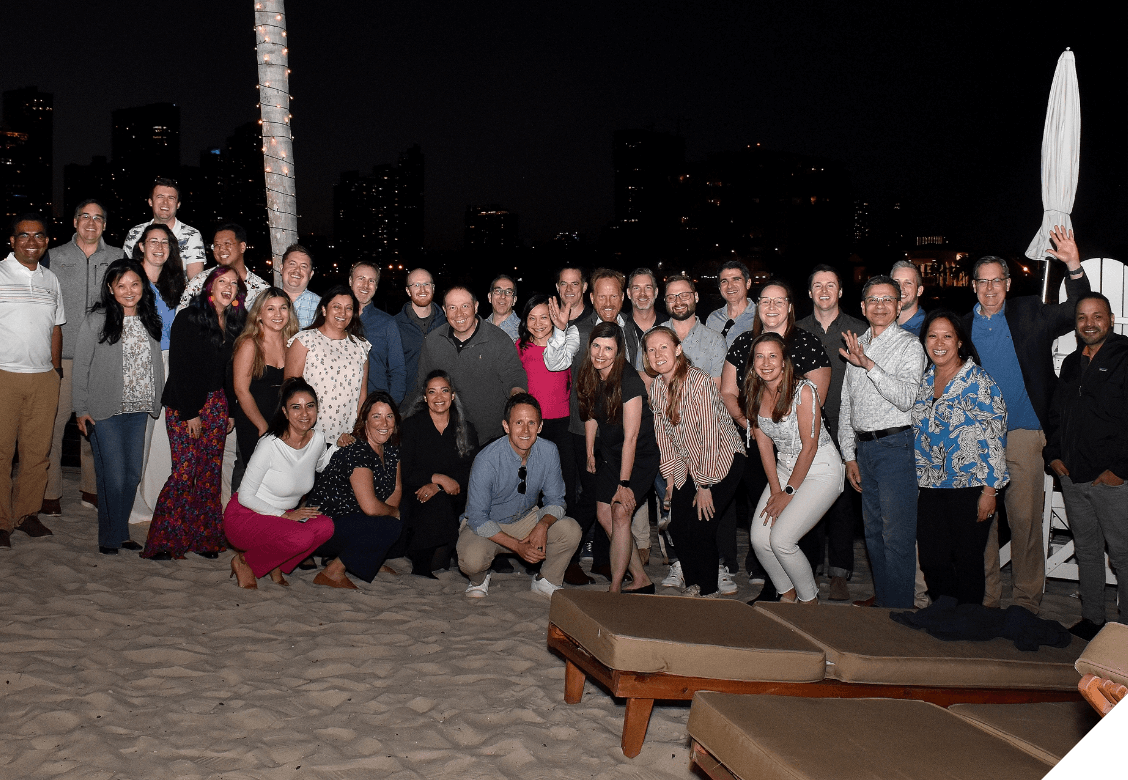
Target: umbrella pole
[1045, 280]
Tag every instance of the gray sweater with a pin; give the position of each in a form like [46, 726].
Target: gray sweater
[80, 279]
[98, 372]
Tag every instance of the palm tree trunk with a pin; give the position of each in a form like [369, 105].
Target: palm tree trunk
[272, 54]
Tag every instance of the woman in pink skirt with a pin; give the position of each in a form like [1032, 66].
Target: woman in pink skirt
[262, 519]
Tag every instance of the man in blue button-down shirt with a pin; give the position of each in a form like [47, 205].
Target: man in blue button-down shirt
[507, 478]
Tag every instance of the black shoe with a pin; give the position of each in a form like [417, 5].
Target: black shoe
[502, 565]
[1086, 629]
[767, 593]
[211, 556]
[421, 563]
[574, 575]
[307, 564]
[161, 556]
[646, 590]
[129, 544]
[108, 550]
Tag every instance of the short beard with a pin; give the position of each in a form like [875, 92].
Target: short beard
[683, 317]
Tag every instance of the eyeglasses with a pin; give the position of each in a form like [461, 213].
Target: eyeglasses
[873, 300]
[88, 217]
[31, 236]
[505, 292]
[156, 242]
[521, 474]
[421, 285]
[774, 301]
[991, 282]
[684, 297]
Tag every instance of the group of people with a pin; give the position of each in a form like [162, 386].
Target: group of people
[291, 426]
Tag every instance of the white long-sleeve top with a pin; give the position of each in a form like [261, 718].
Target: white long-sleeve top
[882, 397]
[278, 475]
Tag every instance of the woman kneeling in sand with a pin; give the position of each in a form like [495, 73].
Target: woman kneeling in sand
[262, 519]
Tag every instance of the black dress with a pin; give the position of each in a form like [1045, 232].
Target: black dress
[265, 391]
[425, 451]
[612, 436]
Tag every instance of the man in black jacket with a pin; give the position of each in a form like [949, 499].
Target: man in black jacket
[1015, 349]
[1088, 450]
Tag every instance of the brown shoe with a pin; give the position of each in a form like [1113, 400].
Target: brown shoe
[89, 500]
[866, 602]
[644, 555]
[602, 569]
[839, 590]
[6, 539]
[574, 575]
[31, 526]
[324, 579]
[51, 507]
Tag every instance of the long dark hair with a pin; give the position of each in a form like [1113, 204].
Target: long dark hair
[171, 281]
[524, 338]
[355, 329]
[681, 368]
[115, 314]
[202, 314]
[291, 387]
[754, 386]
[377, 397]
[590, 389]
[967, 348]
[462, 440]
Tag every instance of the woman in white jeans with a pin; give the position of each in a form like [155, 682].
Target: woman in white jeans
[805, 478]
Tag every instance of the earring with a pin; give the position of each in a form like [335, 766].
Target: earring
[211, 299]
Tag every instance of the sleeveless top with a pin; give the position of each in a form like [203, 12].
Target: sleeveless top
[785, 433]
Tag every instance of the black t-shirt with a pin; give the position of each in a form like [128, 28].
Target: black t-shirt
[805, 350]
[611, 435]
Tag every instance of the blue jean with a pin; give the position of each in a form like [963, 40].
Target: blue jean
[118, 444]
[889, 512]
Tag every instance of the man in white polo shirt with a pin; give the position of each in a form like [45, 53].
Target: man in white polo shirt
[31, 353]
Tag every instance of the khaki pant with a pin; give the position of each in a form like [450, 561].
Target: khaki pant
[1024, 498]
[28, 411]
[476, 553]
[88, 482]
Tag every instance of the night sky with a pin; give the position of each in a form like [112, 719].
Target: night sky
[940, 106]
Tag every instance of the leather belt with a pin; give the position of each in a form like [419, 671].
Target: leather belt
[875, 435]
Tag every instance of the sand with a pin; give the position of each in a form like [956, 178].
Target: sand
[117, 667]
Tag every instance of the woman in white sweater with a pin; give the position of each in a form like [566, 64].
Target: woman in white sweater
[261, 519]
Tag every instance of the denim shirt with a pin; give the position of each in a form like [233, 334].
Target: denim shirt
[960, 438]
[492, 499]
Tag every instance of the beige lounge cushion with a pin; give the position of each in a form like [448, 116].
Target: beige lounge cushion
[863, 645]
[1045, 730]
[1107, 655]
[789, 738]
[722, 640]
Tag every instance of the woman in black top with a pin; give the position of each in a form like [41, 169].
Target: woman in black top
[612, 400]
[361, 489]
[188, 516]
[438, 448]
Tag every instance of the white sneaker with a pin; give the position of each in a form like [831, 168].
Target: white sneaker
[725, 585]
[479, 591]
[693, 592]
[674, 579]
[542, 586]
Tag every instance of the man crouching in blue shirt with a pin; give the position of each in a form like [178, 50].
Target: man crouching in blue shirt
[507, 478]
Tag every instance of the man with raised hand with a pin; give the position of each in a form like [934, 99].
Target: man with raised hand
[386, 370]
[1014, 338]
[79, 266]
[418, 317]
[297, 270]
[31, 348]
[876, 438]
[502, 298]
[164, 200]
[908, 278]
[739, 312]
[508, 478]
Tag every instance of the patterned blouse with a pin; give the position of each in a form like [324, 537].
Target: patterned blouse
[785, 433]
[334, 368]
[333, 493]
[704, 442]
[960, 438]
[137, 367]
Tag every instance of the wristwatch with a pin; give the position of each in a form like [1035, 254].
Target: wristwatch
[625, 483]
[789, 490]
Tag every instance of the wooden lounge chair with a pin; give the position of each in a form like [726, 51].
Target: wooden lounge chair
[1104, 668]
[653, 648]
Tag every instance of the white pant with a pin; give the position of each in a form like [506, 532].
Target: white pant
[777, 545]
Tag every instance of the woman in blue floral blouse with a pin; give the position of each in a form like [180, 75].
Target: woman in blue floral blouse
[960, 430]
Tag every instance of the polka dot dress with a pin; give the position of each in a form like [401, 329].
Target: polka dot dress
[335, 370]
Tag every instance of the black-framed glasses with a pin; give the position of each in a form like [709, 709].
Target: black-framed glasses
[522, 473]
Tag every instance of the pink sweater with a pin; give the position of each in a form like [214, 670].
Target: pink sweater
[550, 388]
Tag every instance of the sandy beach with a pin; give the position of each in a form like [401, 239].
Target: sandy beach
[116, 667]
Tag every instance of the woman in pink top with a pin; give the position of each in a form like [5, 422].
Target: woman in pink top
[550, 388]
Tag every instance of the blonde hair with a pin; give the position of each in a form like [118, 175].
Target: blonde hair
[253, 330]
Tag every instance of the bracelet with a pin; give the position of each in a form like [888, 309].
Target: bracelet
[1077, 273]
[984, 491]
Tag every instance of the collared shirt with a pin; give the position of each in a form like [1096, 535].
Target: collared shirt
[255, 285]
[190, 240]
[493, 500]
[80, 278]
[386, 368]
[882, 397]
[831, 339]
[305, 306]
[704, 441]
[720, 322]
[705, 347]
[960, 438]
[509, 325]
[995, 344]
[31, 305]
[914, 323]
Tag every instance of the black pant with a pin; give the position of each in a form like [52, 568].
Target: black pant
[951, 542]
[697, 539]
[584, 512]
[361, 542]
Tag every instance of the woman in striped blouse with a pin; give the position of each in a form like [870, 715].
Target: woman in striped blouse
[702, 455]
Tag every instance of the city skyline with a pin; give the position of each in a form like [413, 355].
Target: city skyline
[518, 107]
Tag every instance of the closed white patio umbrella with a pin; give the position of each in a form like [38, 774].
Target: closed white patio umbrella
[1061, 145]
